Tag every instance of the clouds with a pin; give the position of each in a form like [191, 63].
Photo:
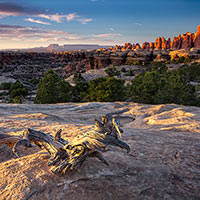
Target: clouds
[138, 24]
[97, 0]
[69, 17]
[13, 9]
[84, 21]
[39, 27]
[111, 29]
[107, 35]
[36, 21]
[41, 36]
[10, 32]
[58, 18]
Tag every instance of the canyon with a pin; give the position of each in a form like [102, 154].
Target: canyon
[33, 65]
[29, 67]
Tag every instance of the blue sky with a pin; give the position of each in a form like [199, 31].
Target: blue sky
[34, 23]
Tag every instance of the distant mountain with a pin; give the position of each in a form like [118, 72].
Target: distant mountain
[73, 47]
[66, 47]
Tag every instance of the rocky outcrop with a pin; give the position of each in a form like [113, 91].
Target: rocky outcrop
[118, 58]
[176, 43]
[187, 41]
[182, 41]
[158, 43]
[145, 45]
[179, 53]
[128, 46]
[197, 38]
[101, 61]
[137, 46]
[151, 46]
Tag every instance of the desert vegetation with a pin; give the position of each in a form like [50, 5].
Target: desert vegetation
[52, 89]
[156, 85]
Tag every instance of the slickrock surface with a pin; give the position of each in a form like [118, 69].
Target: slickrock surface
[164, 162]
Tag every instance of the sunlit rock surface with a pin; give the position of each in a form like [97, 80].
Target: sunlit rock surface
[164, 162]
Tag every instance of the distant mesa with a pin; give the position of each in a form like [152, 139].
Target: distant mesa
[72, 47]
[68, 47]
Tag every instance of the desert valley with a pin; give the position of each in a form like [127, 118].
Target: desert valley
[164, 139]
[99, 100]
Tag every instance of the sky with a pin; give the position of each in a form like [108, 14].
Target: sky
[35, 23]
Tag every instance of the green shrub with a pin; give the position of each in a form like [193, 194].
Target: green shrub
[159, 86]
[80, 92]
[176, 90]
[18, 92]
[159, 67]
[78, 77]
[106, 89]
[191, 72]
[112, 72]
[35, 81]
[52, 89]
[5, 86]
[17, 89]
[17, 100]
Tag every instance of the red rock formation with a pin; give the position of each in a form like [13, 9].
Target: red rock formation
[168, 43]
[89, 63]
[151, 46]
[176, 43]
[128, 46]
[137, 46]
[101, 61]
[118, 58]
[148, 46]
[184, 41]
[145, 45]
[133, 46]
[187, 41]
[197, 38]
[163, 43]
[117, 47]
[158, 43]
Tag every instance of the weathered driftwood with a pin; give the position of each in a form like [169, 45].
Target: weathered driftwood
[9, 140]
[69, 155]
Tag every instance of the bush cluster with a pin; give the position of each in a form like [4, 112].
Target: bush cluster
[112, 71]
[156, 85]
[53, 89]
